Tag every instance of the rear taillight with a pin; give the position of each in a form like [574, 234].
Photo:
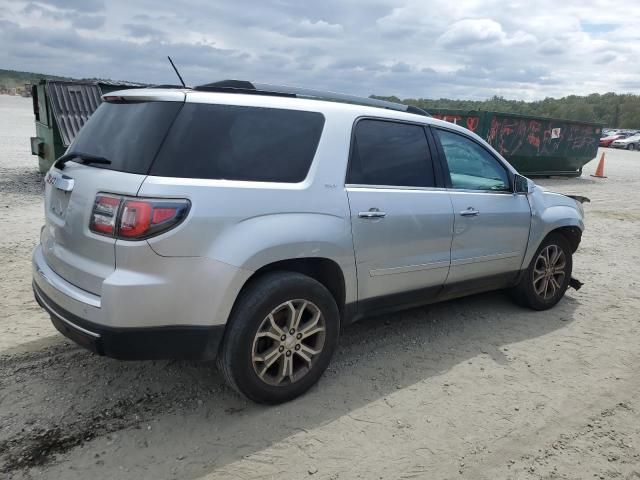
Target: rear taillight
[134, 218]
[104, 214]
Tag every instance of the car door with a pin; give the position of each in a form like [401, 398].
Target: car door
[401, 221]
[491, 223]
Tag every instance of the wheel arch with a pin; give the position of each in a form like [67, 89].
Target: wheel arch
[571, 230]
[317, 245]
[573, 235]
[324, 270]
[563, 218]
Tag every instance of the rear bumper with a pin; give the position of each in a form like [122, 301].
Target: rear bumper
[149, 343]
[133, 320]
[145, 289]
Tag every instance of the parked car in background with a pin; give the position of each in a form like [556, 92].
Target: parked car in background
[629, 143]
[607, 141]
[251, 222]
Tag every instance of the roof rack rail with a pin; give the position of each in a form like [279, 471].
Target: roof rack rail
[167, 86]
[243, 86]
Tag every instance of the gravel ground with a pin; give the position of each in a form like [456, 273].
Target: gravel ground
[474, 388]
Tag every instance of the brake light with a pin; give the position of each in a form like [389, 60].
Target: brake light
[114, 99]
[136, 219]
[104, 214]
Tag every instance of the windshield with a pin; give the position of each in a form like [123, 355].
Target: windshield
[128, 134]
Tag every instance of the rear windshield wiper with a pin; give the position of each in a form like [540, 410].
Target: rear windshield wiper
[84, 158]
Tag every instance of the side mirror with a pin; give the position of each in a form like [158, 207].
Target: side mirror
[521, 184]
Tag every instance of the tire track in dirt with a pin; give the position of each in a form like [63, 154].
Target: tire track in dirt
[61, 376]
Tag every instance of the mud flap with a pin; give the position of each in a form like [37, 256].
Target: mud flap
[575, 283]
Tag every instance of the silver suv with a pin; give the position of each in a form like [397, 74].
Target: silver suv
[249, 223]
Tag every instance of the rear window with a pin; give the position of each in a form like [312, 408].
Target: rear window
[240, 143]
[128, 134]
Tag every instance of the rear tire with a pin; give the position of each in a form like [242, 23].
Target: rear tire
[280, 337]
[547, 278]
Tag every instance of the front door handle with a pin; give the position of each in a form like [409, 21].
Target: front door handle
[372, 213]
[470, 212]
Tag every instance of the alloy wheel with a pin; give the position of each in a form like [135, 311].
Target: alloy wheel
[288, 343]
[549, 272]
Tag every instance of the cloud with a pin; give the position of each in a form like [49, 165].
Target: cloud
[551, 47]
[407, 48]
[597, 28]
[76, 5]
[479, 32]
[472, 32]
[319, 28]
[81, 20]
[605, 58]
[140, 30]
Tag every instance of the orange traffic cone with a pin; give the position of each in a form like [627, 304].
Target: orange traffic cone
[600, 170]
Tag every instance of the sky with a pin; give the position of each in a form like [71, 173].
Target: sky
[465, 49]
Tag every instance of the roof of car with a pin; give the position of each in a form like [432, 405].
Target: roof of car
[292, 102]
[317, 103]
[241, 87]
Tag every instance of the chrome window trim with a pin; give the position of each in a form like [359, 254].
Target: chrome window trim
[359, 186]
[469, 190]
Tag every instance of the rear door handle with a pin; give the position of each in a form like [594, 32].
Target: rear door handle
[372, 213]
[470, 212]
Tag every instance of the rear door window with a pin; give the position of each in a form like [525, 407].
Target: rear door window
[391, 154]
[127, 134]
[240, 143]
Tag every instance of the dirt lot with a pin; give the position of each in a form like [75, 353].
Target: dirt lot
[475, 388]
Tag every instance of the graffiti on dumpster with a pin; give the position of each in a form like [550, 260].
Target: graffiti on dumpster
[521, 136]
[471, 122]
[557, 144]
[582, 139]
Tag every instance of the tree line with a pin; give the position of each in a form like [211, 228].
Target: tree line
[610, 109]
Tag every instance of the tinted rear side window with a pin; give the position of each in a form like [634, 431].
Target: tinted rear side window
[390, 153]
[240, 143]
[128, 134]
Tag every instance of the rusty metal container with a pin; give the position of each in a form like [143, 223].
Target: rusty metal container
[536, 146]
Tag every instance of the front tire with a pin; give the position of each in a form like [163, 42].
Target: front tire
[547, 278]
[280, 337]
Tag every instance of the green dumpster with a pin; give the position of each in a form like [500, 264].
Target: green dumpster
[535, 146]
[61, 109]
